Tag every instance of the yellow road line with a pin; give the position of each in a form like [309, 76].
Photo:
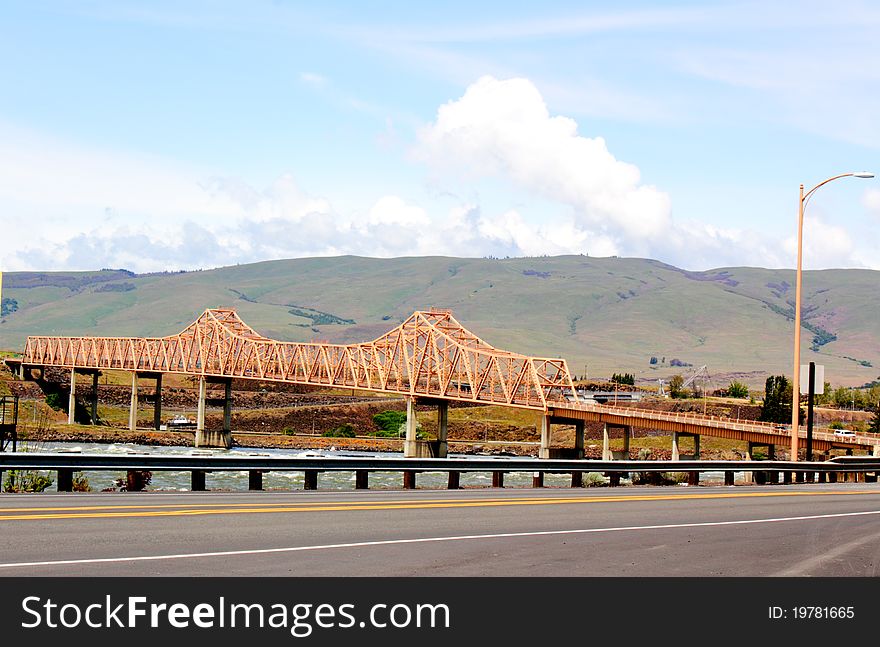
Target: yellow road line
[414, 505]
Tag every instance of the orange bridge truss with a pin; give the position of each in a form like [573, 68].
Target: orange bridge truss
[430, 354]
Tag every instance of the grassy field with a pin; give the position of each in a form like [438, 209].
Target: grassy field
[603, 315]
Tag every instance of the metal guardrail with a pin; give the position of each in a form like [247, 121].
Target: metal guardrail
[183, 462]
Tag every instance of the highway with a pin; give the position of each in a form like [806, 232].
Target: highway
[801, 530]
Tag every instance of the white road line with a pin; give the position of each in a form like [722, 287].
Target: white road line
[423, 540]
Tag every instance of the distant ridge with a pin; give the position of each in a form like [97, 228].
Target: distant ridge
[604, 315]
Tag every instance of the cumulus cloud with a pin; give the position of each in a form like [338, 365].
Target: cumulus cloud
[504, 127]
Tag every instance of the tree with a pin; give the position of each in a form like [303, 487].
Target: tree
[737, 390]
[675, 390]
[874, 428]
[777, 400]
[624, 378]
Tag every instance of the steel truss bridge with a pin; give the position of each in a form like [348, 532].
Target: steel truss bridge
[430, 357]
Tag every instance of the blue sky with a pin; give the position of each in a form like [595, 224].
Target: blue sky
[180, 135]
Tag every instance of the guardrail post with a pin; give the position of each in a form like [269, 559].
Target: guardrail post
[577, 479]
[65, 480]
[538, 479]
[409, 480]
[810, 477]
[255, 480]
[870, 477]
[497, 479]
[728, 478]
[361, 480]
[822, 477]
[310, 480]
[832, 477]
[798, 477]
[786, 478]
[197, 481]
[615, 479]
[454, 480]
[693, 478]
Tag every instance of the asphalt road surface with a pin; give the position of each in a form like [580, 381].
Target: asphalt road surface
[795, 530]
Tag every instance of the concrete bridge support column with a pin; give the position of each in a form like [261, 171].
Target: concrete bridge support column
[94, 402]
[227, 406]
[200, 412]
[676, 455]
[410, 447]
[749, 476]
[442, 429]
[133, 409]
[157, 405]
[627, 432]
[579, 439]
[71, 402]
[544, 451]
[606, 444]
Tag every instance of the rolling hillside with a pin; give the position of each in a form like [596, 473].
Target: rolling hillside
[603, 315]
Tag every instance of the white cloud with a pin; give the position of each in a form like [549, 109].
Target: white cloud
[504, 128]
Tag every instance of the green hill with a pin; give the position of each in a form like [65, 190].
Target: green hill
[604, 315]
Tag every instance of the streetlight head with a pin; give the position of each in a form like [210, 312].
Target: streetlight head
[863, 174]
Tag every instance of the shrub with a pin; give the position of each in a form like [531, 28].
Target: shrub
[342, 431]
[594, 479]
[26, 481]
[55, 401]
[836, 425]
[81, 482]
[289, 431]
[134, 481]
[390, 420]
[737, 390]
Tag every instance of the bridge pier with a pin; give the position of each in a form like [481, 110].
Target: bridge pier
[442, 428]
[579, 439]
[71, 401]
[410, 446]
[132, 411]
[94, 401]
[222, 438]
[544, 451]
[200, 410]
[676, 446]
[763, 477]
[607, 453]
[157, 405]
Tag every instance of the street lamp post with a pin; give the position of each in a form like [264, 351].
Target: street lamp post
[796, 387]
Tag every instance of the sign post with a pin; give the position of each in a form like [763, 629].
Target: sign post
[812, 372]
